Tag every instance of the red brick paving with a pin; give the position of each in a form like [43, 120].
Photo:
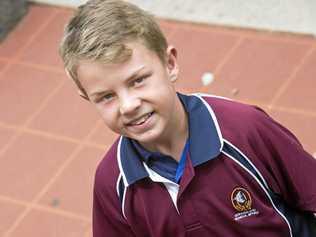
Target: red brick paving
[8, 214]
[300, 92]
[23, 90]
[29, 163]
[51, 140]
[258, 68]
[43, 223]
[80, 115]
[26, 30]
[77, 177]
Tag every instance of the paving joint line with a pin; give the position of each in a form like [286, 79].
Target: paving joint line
[50, 135]
[43, 104]
[266, 36]
[294, 111]
[281, 108]
[10, 142]
[228, 55]
[42, 67]
[287, 83]
[61, 212]
[58, 211]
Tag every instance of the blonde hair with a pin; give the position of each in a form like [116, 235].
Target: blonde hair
[100, 29]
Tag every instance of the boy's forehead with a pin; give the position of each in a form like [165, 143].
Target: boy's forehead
[141, 57]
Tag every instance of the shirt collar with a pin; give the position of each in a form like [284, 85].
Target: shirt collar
[205, 140]
[204, 133]
[145, 154]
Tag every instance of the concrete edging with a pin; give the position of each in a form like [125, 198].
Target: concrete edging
[294, 16]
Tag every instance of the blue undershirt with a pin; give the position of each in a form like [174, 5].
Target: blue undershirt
[164, 165]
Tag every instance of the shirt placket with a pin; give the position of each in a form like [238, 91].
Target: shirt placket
[187, 211]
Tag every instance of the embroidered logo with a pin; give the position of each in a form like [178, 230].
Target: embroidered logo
[242, 202]
[241, 199]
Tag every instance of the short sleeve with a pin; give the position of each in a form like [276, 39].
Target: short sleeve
[107, 218]
[291, 166]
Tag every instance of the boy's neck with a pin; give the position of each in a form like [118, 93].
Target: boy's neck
[173, 142]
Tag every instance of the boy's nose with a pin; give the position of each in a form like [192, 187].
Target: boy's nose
[129, 104]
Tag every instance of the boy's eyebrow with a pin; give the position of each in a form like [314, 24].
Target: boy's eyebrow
[134, 74]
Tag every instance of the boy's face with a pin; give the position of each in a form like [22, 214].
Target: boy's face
[135, 98]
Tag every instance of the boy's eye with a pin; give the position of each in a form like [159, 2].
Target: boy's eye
[107, 97]
[104, 98]
[138, 81]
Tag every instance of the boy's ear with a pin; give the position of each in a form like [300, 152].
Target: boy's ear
[172, 63]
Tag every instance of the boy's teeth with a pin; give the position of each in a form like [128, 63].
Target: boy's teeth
[143, 119]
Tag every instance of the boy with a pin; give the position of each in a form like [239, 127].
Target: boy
[184, 165]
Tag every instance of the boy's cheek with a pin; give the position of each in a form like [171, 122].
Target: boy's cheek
[108, 117]
[115, 127]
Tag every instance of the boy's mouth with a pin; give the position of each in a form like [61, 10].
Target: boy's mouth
[141, 120]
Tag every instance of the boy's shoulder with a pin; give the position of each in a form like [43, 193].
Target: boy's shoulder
[235, 117]
[241, 122]
[228, 109]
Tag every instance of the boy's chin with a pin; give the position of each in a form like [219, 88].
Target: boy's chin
[146, 138]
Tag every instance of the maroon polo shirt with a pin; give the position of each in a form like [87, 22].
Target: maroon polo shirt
[245, 175]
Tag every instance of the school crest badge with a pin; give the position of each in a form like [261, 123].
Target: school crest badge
[241, 199]
[242, 203]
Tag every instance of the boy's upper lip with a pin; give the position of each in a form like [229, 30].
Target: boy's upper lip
[131, 121]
